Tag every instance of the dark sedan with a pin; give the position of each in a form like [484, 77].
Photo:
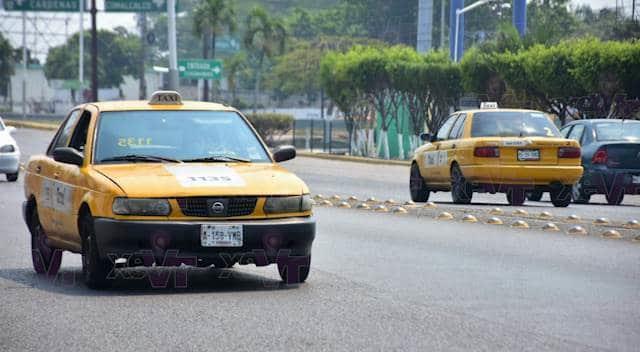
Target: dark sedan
[610, 157]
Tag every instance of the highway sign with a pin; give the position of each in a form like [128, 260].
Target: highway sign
[42, 5]
[200, 69]
[135, 5]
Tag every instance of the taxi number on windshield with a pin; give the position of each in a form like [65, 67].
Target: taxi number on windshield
[528, 154]
[221, 236]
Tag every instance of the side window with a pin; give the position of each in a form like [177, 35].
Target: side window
[64, 133]
[79, 137]
[565, 131]
[443, 133]
[456, 131]
[576, 133]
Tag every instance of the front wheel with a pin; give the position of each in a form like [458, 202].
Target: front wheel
[561, 196]
[12, 177]
[417, 187]
[46, 259]
[294, 270]
[461, 190]
[94, 269]
[515, 197]
[535, 196]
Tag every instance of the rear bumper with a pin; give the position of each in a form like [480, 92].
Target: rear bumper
[9, 163]
[143, 242]
[605, 180]
[522, 175]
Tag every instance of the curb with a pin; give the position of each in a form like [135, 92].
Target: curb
[33, 125]
[356, 159]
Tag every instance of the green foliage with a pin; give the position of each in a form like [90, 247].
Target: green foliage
[271, 125]
[6, 64]
[118, 51]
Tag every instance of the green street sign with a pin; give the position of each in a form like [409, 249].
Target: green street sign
[135, 5]
[200, 69]
[42, 5]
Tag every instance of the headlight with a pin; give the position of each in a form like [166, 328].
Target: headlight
[145, 207]
[294, 204]
[7, 148]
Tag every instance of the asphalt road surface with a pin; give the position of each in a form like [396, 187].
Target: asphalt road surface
[378, 282]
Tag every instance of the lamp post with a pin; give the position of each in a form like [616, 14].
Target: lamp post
[458, 13]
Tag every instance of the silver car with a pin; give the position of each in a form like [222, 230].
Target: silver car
[9, 153]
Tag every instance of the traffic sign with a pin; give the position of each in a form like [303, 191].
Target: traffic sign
[42, 5]
[200, 69]
[135, 5]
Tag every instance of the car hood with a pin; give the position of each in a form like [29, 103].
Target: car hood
[203, 179]
[5, 138]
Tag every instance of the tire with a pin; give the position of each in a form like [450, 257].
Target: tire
[94, 269]
[13, 177]
[561, 196]
[417, 187]
[534, 196]
[461, 190]
[614, 196]
[516, 197]
[46, 259]
[578, 195]
[292, 264]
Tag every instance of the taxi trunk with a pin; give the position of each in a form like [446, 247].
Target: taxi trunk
[530, 151]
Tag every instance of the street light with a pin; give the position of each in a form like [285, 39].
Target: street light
[458, 13]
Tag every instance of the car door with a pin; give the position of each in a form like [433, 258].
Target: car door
[577, 133]
[52, 199]
[435, 157]
[449, 147]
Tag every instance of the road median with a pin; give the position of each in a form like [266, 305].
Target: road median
[356, 159]
[32, 125]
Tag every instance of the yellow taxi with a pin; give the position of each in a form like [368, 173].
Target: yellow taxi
[166, 183]
[496, 150]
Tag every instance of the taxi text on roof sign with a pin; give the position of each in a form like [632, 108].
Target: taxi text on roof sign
[165, 97]
[488, 105]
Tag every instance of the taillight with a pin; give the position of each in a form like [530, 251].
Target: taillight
[568, 152]
[600, 157]
[487, 152]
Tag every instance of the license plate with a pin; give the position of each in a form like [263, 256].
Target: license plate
[635, 179]
[221, 235]
[528, 154]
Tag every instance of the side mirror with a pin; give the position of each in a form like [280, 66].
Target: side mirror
[284, 153]
[427, 137]
[68, 156]
[11, 129]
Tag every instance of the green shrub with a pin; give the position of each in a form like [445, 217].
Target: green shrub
[271, 125]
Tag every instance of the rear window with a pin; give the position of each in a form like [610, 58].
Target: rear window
[617, 130]
[512, 124]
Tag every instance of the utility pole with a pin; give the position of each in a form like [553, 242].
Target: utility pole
[143, 55]
[94, 52]
[173, 55]
[81, 52]
[24, 65]
[425, 25]
[442, 3]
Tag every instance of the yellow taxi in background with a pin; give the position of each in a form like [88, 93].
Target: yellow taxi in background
[496, 150]
[166, 183]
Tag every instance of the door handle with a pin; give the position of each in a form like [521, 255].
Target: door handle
[38, 169]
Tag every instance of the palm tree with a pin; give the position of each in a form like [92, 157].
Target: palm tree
[210, 18]
[264, 38]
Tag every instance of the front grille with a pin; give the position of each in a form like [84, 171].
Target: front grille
[233, 206]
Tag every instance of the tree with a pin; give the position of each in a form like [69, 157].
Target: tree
[235, 66]
[549, 21]
[210, 18]
[6, 65]
[264, 38]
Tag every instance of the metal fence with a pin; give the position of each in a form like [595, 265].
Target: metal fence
[329, 136]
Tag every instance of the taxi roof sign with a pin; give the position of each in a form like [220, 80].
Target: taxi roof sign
[488, 105]
[165, 97]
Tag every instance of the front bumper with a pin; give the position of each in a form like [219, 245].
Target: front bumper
[522, 175]
[9, 163]
[603, 181]
[140, 242]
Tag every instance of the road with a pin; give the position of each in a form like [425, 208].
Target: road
[378, 282]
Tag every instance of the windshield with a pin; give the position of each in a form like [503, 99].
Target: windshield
[512, 124]
[617, 130]
[179, 135]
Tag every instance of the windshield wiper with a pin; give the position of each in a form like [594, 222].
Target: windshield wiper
[217, 159]
[140, 158]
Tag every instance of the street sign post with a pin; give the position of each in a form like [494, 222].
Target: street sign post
[42, 5]
[200, 69]
[135, 5]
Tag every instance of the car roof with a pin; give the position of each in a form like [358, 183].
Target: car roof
[128, 105]
[473, 111]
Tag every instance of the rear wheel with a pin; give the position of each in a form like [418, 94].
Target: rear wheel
[578, 194]
[12, 177]
[294, 270]
[94, 269]
[535, 196]
[461, 190]
[515, 196]
[46, 259]
[417, 187]
[561, 196]
[615, 196]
